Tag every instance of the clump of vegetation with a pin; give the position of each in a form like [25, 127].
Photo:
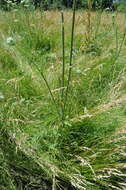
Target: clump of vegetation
[54, 4]
[62, 120]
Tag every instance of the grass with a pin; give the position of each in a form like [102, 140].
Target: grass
[37, 151]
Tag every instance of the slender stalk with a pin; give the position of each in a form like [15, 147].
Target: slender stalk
[115, 30]
[63, 52]
[63, 66]
[121, 45]
[123, 39]
[71, 56]
[49, 89]
[119, 50]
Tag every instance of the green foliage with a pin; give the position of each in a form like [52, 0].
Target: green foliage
[54, 4]
[121, 7]
[36, 150]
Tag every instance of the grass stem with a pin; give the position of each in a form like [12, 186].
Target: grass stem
[63, 66]
[49, 89]
[71, 56]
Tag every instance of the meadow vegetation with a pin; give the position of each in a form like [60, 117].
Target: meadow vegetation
[40, 148]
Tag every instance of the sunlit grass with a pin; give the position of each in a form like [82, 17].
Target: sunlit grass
[89, 151]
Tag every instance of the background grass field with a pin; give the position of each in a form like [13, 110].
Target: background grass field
[36, 151]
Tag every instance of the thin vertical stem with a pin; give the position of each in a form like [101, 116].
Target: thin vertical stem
[115, 31]
[71, 55]
[49, 89]
[63, 66]
[63, 53]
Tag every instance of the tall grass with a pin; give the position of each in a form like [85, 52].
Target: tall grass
[88, 152]
[64, 95]
[71, 56]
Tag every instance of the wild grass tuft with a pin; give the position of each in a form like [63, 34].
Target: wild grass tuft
[88, 152]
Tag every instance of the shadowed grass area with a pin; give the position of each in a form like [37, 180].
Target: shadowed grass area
[36, 151]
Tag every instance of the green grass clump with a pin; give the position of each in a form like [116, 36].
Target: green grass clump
[62, 138]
